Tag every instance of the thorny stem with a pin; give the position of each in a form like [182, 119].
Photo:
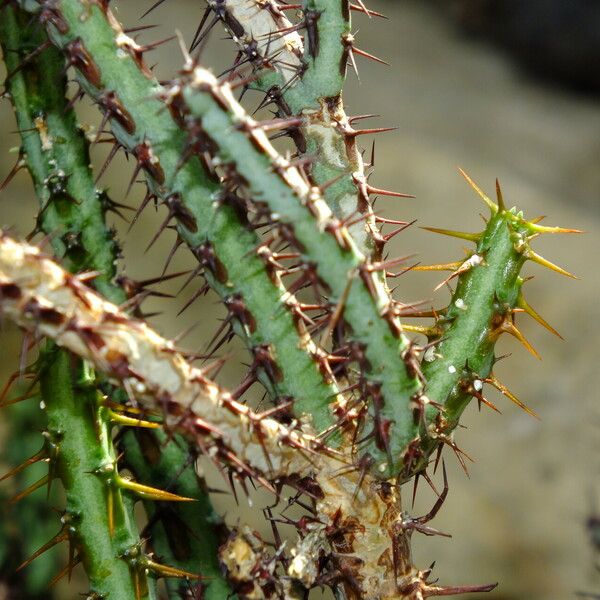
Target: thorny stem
[305, 78]
[79, 437]
[237, 141]
[484, 305]
[183, 534]
[146, 364]
[106, 58]
[57, 157]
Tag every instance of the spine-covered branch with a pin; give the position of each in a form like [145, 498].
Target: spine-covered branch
[270, 320]
[483, 306]
[55, 152]
[37, 293]
[359, 517]
[236, 142]
[305, 80]
[98, 523]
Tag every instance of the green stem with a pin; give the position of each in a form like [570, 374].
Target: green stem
[56, 156]
[483, 306]
[326, 247]
[308, 83]
[84, 461]
[485, 296]
[194, 550]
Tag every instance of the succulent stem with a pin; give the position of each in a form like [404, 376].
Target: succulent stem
[183, 534]
[483, 306]
[237, 140]
[84, 461]
[306, 81]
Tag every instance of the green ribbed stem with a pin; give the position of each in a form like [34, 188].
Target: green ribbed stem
[222, 122]
[483, 306]
[84, 461]
[484, 296]
[316, 94]
[56, 156]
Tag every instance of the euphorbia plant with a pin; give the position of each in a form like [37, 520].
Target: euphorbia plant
[359, 403]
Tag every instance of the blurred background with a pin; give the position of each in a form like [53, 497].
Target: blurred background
[502, 88]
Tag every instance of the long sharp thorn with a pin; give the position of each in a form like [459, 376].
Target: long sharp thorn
[32, 488]
[40, 456]
[155, 5]
[66, 570]
[362, 8]
[27, 59]
[415, 485]
[546, 229]
[200, 27]
[150, 493]
[111, 155]
[20, 164]
[513, 330]
[434, 590]
[131, 421]
[463, 235]
[492, 205]
[440, 267]
[369, 56]
[375, 190]
[499, 197]
[540, 260]
[523, 304]
[373, 130]
[506, 392]
[362, 117]
[353, 63]
[167, 571]
[61, 536]
[371, 13]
